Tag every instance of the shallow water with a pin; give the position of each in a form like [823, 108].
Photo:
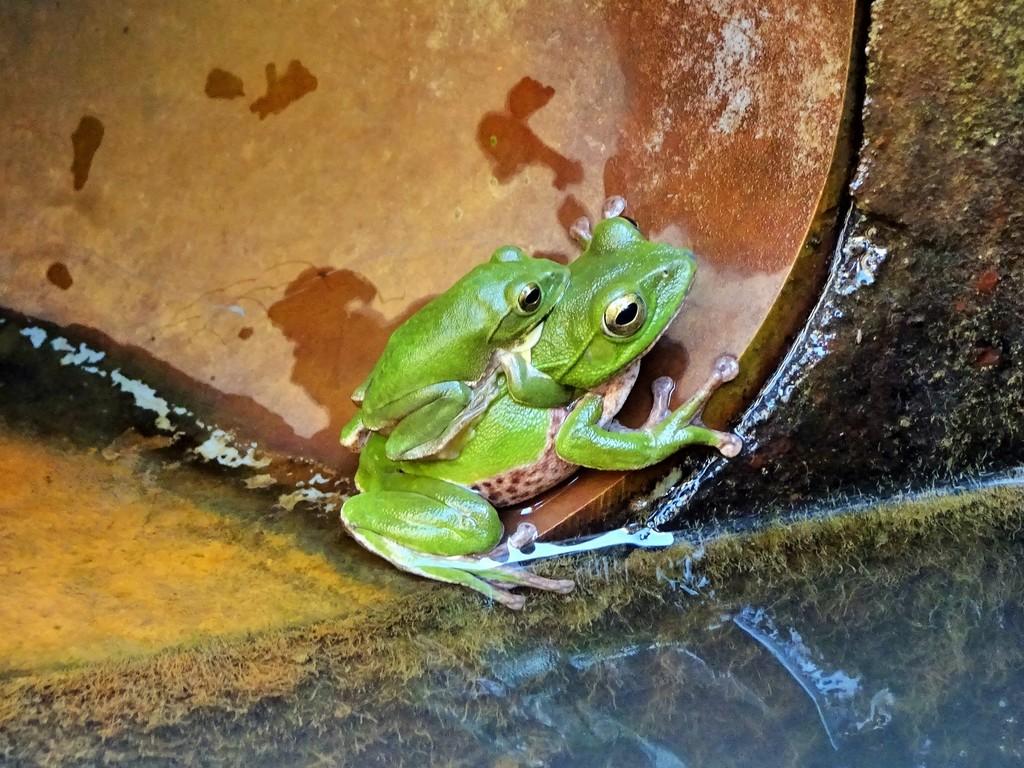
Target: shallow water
[877, 656]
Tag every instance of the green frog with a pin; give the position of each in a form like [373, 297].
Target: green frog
[437, 517]
[440, 368]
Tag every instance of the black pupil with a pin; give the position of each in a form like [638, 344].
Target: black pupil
[627, 315]
[532, 299]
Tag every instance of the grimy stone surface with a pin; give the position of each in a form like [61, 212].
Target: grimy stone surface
[923, 373]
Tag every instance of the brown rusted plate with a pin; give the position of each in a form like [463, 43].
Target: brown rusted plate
[256, 195]
[751, 186]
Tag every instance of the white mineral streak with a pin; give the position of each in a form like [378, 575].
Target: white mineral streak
[35, 335]
[145, 398]
[329, 501]
[218, 447]
[734, 71]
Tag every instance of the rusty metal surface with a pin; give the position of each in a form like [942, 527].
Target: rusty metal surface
[255, 195]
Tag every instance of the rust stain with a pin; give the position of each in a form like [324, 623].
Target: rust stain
[337, 335]
[85, 141]
[512, 145]
[58, 274]
[296, 82]
[987, 357]
[221, 84]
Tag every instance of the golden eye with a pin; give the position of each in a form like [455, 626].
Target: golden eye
[530, 298]
[625, 315]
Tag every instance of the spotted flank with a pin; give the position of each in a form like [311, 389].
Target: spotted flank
[525, 482]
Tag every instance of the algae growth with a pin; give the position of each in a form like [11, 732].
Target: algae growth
[900, 616]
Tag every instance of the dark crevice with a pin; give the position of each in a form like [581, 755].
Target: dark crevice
[858, 83]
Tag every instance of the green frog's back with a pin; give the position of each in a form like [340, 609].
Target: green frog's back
[455, 335]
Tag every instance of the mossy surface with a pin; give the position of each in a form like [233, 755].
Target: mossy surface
[113, 553]
[918, 597]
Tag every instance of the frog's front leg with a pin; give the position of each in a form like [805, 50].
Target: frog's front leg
[421, 418]
[528, 385]
[582, 440]
[725, 369]
[433, 528]
[661, 393]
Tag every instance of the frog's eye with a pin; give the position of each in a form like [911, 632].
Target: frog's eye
[625, 315]
[530, 297]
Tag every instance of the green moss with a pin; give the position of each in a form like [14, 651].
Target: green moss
[382, 668]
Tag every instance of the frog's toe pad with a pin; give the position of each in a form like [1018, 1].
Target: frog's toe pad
[727, 368]
[525, 535]
[730, 446]
[509, 599]
[580, 230]
[614, 206]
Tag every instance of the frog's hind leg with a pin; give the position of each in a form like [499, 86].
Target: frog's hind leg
[433, 529]
[420, 565]
[481, 575]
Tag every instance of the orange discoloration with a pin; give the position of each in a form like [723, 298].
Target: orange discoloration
[100, 561]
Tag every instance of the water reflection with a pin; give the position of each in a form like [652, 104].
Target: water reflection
[904, 655]
[907, 663]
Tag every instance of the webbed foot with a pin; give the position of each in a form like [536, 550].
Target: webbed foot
[725, 369]
[482, 575]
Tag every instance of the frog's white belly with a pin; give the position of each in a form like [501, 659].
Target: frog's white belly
[550, 469]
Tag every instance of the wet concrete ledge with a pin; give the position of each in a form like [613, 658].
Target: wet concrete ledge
[381, 656]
